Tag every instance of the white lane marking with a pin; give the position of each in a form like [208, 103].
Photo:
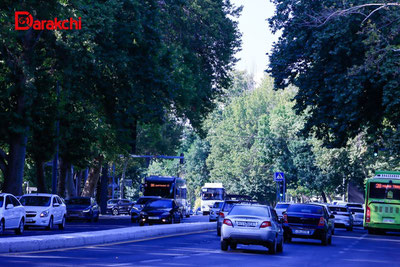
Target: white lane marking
[147, 261]
[368, 260]
[165, 254]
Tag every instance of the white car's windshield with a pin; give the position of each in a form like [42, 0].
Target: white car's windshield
[35, 201]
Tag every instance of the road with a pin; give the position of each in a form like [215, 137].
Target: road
[203, 249]
[105, 222]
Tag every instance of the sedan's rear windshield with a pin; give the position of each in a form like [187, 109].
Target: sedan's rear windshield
[338, 209]
[217, 205]
[160, 204]
[1, 201]
[250, 211]
[281, 206]
[311, 209]
[35, 201]
[79, 201]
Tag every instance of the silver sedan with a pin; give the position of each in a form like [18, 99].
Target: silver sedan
[252, 225]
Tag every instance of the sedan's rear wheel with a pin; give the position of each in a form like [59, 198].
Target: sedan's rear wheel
[21, 227]
[272, 248]
[224, 245]
[324, 239]
[279, 247]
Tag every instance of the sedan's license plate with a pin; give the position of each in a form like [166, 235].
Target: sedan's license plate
[154, 218]
[301, 232]
[387, 220]
[246, 224]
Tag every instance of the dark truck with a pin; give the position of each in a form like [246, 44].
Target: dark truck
[310, 221]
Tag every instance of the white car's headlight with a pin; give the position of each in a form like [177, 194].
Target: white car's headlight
[44, 213]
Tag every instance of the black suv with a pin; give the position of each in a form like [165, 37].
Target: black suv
[119, 206]
[311, 221]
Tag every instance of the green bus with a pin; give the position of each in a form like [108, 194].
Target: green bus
[382, 202]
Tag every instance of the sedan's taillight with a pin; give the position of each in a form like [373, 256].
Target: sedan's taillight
[228, 222]
[221, 214]
[265, 224]
[321, 221]
[368, 215]
[285, 219]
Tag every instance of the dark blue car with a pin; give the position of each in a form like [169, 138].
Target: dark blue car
[310, 221]
[82, 208]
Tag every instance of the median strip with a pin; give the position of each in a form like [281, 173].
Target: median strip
[25, 244]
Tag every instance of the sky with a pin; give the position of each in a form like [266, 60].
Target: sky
[257, 38]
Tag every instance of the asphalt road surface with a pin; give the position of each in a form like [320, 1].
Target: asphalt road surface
[355, 248]
[105, 222]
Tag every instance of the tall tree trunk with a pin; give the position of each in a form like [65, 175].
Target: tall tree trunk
[15, 167]
[93, 178]
[69, 179]
[324, 196]
[103, 189]
[61, 180]
[79, 176]
[40, 180]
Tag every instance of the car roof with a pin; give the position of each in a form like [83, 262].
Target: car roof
[39, 195]
[253, 205]
[338, 206]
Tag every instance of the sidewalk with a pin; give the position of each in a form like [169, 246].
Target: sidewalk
[35, 243]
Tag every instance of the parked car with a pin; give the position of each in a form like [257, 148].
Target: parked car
[343, 217]
[119, 206]
[214, 211]
[84, 208]
[139, 205]
[12, 214]
[44, 210]
[160, 211]
[252, 225]
[310, 221]
[281, 207]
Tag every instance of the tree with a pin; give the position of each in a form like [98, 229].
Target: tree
[343, 57]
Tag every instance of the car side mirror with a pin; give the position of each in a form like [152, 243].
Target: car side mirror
[56, 204]
[10, 206]
[332, 216]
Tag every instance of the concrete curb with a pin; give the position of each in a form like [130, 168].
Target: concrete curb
[43, 242]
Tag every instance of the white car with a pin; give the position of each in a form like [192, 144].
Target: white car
[12, 214]
[44, 210]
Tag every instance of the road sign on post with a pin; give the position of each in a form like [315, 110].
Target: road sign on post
[279, 176]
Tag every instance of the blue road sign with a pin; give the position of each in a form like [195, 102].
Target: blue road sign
[279, 176]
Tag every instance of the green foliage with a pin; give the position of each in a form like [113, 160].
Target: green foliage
[134, 70]
[346, 69]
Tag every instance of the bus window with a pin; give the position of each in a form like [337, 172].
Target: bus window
[384, 191]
